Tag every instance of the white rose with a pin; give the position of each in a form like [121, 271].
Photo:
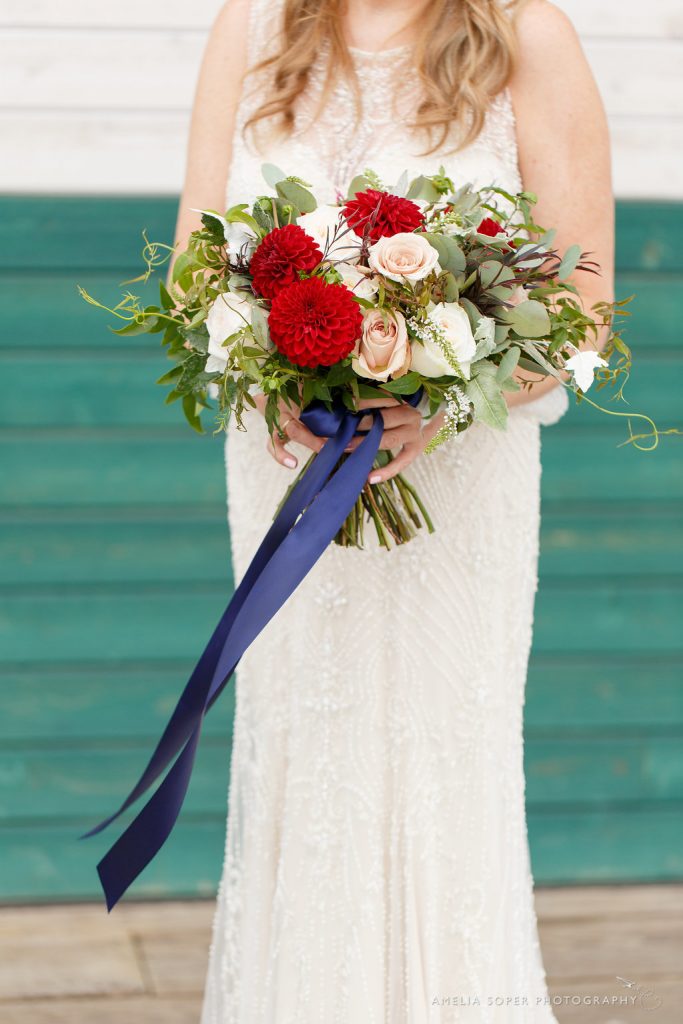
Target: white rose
[583, 365]
[428, 356]
[329, 231]
[240, 240]
[364, 285]
[404, 257]
[228, 313]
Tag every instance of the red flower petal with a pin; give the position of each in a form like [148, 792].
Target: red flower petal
[383, 214]
[279, 258]
[314, 323]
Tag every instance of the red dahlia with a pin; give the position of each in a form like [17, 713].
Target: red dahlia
[278, 259]
[384, 213]
[314, 323]
[490, 227]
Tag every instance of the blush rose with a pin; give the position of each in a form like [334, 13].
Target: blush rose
[404, 257]
[383, 349]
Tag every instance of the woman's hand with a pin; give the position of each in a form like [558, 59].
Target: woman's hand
[293, 430]
[404, 430]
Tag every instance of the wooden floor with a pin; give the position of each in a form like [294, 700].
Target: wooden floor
[613, 955]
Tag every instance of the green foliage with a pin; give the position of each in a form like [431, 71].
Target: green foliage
[485, 392]
[523, 307]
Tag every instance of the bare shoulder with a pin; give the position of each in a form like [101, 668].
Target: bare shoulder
[233, 14]
[550, 57]
[545, 34]
[230, 26]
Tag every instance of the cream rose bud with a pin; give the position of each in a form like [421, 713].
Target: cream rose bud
[327, 229]
[364, 285]
[228, 313]
[383, 349]
[429, 358]
[404, 257]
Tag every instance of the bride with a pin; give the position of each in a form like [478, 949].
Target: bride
[376, 864]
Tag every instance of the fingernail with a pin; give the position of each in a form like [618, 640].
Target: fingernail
[374, 479]
[289, 461]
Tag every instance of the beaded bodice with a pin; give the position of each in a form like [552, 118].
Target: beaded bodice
[329, 149]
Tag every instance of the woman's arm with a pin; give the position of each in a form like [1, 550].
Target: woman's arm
[213, 119]
[564, 151]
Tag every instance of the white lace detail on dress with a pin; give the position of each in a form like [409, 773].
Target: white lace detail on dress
[376, 862]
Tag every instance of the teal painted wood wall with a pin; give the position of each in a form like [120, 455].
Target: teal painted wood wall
[115, 562]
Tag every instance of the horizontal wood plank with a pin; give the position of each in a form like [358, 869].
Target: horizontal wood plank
[622, 846]
[104, 233]
[118, 389]
[174, 14]
[39, 74]
[106, 470]
[611, 694]
[54, 863]
[634, 843]
[116, 152]
[77, 626]
[92, 782]
[62, 321]
[56, 704]
[61, 470]
[591, 770]
[86, 781]
[52, 703]
[127, 550]
[606, 18]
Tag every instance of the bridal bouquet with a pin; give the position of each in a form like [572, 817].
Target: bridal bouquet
[424, 292]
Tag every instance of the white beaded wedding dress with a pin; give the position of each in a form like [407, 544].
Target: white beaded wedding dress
[377, 864]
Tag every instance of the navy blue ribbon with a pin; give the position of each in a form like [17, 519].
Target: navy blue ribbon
[306, 524]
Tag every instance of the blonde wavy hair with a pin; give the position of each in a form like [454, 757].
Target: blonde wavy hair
[464, 54]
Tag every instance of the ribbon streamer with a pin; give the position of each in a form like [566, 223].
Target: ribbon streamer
[307, 523]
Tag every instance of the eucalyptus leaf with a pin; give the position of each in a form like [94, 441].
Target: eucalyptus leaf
[472, 312]
[272, 174]
[259, 324]
[452, 287]
[422, 188]
[451, 256]
[569, 261]
[401, 186]
[297, 195]
[529, 319]
[508, 363]
[540, 360]
[358, 184]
